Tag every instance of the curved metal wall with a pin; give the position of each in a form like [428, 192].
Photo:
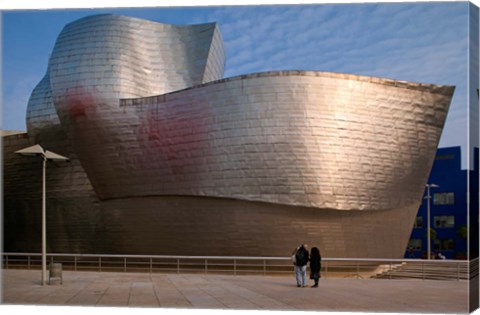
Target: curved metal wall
[41, 113]
[313, 139]
[99, 59]
[128, 57]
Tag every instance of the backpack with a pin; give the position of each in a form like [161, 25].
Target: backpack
[301, 257]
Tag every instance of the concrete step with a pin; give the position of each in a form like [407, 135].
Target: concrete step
[430, 270]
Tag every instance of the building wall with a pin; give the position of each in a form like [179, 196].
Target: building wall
[179, 225]
[447, 173]
[71, 202]
[295, 137]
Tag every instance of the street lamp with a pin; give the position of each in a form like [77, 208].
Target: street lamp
[428, 216]
[46, 155]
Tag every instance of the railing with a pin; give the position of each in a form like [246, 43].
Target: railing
[331, 267]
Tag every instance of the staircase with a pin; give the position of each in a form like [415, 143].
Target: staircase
[431, 270]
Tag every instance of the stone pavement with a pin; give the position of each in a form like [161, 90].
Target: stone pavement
[202, 291]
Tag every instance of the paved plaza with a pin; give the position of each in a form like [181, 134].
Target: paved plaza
[202, 291]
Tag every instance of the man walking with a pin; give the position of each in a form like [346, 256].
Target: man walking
[300, 262]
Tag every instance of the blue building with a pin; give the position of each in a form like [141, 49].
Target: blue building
[449, 209]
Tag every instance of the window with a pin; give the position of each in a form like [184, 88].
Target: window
[444, 221]
[447, 198]
[418, 222]
[444, 244]
[415, 244]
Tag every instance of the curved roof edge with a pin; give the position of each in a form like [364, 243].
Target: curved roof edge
[431, 88]
[96, 16]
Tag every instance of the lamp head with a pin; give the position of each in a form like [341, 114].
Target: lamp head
[55, 157]
[37, 150]
[34, 150]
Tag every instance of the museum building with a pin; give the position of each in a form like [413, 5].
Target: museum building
[168, 157]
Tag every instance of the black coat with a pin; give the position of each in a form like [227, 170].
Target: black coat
[315, 264]
[304, 253]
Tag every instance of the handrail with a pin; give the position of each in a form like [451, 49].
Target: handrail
[400, 260]
[389, 268]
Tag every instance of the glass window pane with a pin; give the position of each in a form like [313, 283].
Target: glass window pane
[415, 244]
[418, 222]
[447, 198]
[445, 221]
[444, 244]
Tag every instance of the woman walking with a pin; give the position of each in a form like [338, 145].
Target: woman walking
[315, 265]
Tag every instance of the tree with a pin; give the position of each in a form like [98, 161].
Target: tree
[462, 231]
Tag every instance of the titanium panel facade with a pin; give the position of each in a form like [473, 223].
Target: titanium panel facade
[314, 139]
[168, 158]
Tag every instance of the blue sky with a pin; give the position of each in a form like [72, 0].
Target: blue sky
[421, 42]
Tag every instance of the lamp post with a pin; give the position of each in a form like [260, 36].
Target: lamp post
[428, 216]
[46, 155]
